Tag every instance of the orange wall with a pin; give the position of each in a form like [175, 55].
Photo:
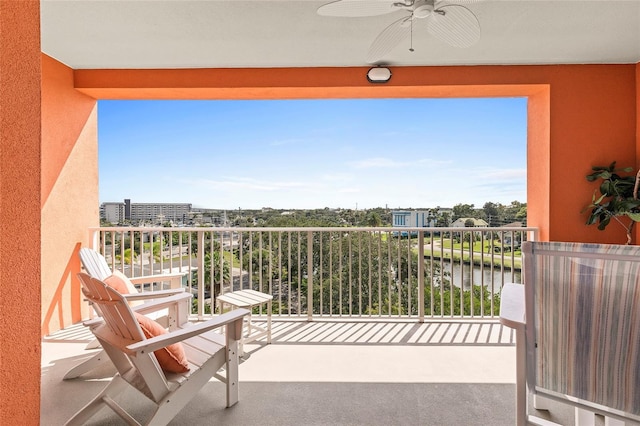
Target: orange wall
[579, 115]
[69, 191]
[20, 213]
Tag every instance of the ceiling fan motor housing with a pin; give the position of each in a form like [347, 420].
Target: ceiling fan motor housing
[447, 21]
[423, 9]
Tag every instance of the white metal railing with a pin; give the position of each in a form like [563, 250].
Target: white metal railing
[331, 272]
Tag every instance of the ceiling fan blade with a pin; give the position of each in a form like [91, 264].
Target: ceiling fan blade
[388, 39]
[443, 2]
[357, 8]
[455, 25]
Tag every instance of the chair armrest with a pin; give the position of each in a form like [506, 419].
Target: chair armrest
[93, 322]
[150, 295]
[155, 343]
[512, 306]
[162, 303]
[175, 278]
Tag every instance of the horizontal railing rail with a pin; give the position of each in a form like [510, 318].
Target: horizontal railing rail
[411, 273]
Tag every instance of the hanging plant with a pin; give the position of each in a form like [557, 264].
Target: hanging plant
[616, 198]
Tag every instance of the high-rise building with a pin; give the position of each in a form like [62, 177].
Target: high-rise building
[112, 212]
[127, 208]
[117, 212]
[160, 212]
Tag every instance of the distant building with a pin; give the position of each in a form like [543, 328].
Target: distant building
[513, 225]
[165, 212]
[145, 212]
[112, 212]
[412, 219]
[127, 209]
[462, 222]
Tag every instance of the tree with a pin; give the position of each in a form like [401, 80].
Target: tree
[443, 219]
[129, 256]
[155, 248]
[214, 274]
[351, 275]
[516, 211]
[373, 219]
[492, 213]
[463, 210]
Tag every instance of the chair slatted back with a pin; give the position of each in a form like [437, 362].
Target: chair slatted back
[114, 308]
[94, 263]
[584, 300]
[119, 330]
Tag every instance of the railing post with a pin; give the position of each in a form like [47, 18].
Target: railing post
[200, 260]
[350, 257]
[420, 276]
[94, 239]
[309, 275]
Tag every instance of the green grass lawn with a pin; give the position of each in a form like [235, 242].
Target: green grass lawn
[478, 249]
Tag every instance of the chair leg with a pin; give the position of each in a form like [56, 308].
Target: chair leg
[116, 386]
[269, 321]
[521, 379]
[172, 404]
[540, 402]
[94, 344]
[88, 365]
[232, 365]
[248, 334]
[584, 417]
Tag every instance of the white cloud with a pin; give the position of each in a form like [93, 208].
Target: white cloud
[293, 141]
[349, 190]
[388, 163]
[501, 174]
[337, 177]
[236, 183]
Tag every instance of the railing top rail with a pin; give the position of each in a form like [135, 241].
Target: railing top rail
[297, 229]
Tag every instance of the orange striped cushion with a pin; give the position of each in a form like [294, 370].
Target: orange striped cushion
[172, 358]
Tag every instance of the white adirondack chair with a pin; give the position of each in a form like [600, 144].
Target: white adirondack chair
[123, 339]
[96, 265]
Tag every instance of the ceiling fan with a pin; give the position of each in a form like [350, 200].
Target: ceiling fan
[448, 21]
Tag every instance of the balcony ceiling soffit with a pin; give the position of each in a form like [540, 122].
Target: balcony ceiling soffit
[88, 34]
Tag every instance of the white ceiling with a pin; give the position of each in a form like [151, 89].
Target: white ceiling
[262, 33]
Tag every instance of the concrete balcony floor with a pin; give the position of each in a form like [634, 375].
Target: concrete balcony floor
[326, 372]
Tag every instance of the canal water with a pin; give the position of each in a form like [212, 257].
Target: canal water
[466, 275]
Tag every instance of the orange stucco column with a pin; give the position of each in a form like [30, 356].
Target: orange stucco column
[69, 192]
[20, 212]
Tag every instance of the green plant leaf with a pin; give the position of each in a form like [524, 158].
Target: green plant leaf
[604, 222]
[606, 188]
[615, 198]
[599, 200]
[592, 219]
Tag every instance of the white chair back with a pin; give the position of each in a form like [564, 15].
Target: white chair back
[94, 263]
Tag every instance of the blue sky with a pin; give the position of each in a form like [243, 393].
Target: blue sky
[302, 154]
